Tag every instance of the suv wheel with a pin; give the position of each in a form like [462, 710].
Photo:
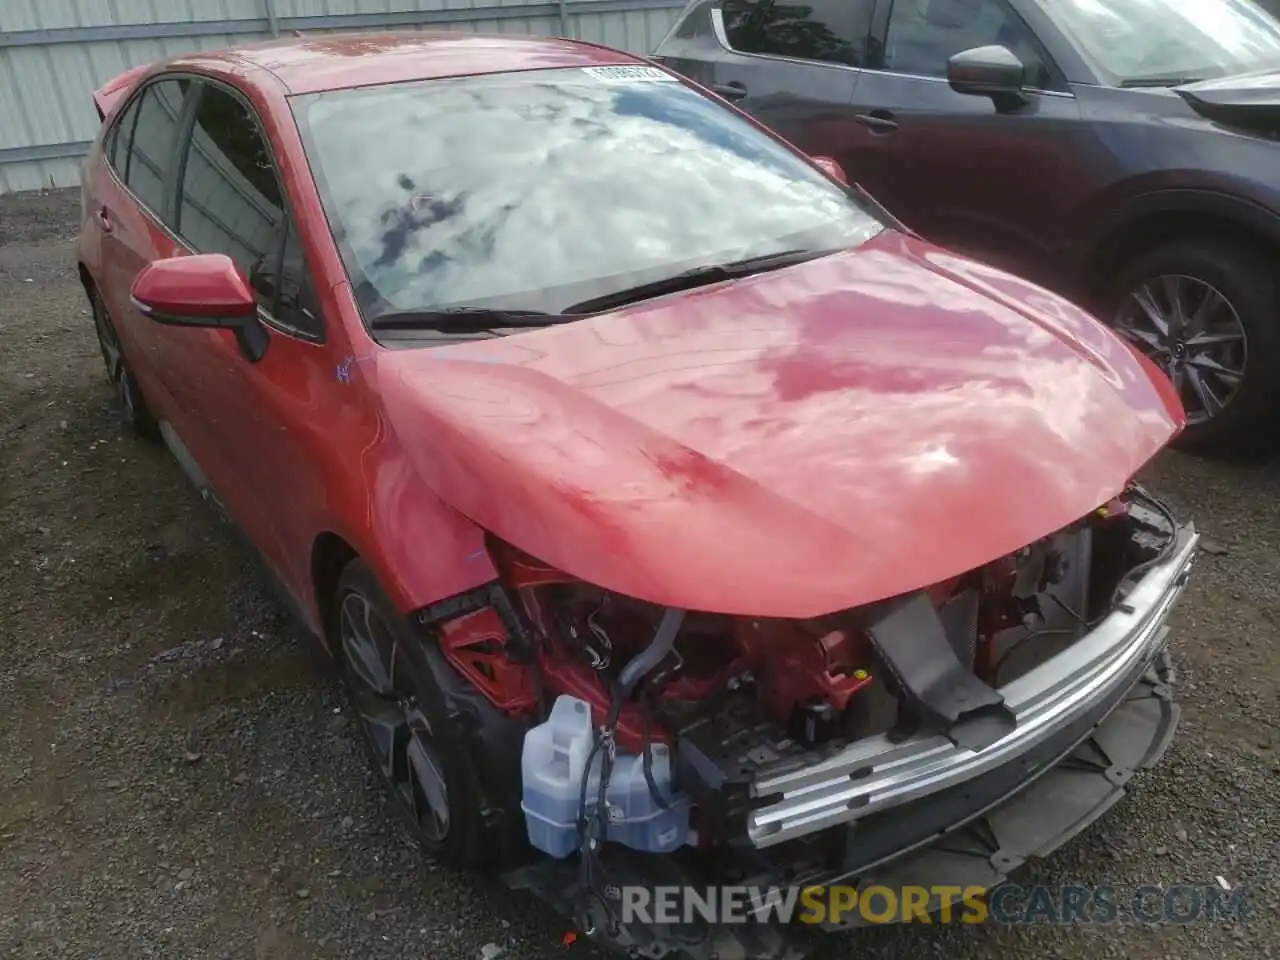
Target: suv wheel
[1206, 313]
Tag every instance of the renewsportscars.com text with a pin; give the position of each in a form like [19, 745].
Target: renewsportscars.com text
[1006, 904]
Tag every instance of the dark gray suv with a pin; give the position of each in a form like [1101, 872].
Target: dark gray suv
[1123, 152]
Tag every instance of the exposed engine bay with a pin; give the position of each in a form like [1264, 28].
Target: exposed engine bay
[668, 732]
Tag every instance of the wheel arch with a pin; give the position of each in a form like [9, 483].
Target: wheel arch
[412, 578]
[1167, 217]
[379, 510]
[330, 554]
[86, 278]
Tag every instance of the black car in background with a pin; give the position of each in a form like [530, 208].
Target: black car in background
[1123, 152]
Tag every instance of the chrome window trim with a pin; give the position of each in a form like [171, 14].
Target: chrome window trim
[1039, 91]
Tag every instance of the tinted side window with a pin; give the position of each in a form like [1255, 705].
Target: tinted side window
[696, 25]
[119, 137]
[231, 200]
[288, 286]
[834, 31]
[924, 34]
[742, 20]
[150, 149]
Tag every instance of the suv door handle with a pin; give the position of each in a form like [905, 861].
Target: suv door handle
[878, 121]
[730, 91]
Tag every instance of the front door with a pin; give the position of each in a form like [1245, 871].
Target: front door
[257, 414]
[996, 185]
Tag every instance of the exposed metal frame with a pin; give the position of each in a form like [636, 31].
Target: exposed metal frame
[878, 773]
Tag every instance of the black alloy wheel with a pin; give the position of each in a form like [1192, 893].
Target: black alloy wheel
[1194, 333]
[413, 743]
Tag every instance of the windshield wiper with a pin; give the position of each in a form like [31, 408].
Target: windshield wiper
[1170, 81]
[697, 277]
[464, 319]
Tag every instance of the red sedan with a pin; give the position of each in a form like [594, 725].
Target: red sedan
[656, 491]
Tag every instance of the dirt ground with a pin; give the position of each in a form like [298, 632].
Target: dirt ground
[179, 777]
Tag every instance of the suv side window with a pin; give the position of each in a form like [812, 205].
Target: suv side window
[830, 31]
[232, 203]
[143, 159]
[924, 34]
[742, 23]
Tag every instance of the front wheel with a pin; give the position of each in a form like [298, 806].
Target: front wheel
[411, 724]
[1208, 314]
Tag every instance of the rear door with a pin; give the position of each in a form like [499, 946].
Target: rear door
[133, 205]
[793, 66]
[949, 165]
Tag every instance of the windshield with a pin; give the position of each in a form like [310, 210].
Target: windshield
[534, 191]
[1138, 40]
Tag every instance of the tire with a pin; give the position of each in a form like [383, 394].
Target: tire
[416, 731]
[1249, 288]
[135, 413]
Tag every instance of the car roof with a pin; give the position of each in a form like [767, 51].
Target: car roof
[311, 64]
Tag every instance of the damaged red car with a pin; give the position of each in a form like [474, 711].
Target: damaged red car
[675, 515]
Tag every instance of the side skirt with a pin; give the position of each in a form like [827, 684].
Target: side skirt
[201, 482]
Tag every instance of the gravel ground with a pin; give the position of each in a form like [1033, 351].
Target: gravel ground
[179, 776]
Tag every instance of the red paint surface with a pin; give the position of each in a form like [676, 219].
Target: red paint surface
[107, 96]
[790, 444]
[832, 169]
[204, 286]
[785, 445]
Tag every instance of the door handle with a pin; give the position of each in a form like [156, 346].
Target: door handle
[878, 121]
[730, 91]
[104, 219]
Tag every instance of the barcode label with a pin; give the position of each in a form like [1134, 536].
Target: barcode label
[630, 74]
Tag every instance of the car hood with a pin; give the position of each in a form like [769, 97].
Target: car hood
[790, 444]
[1247, 100]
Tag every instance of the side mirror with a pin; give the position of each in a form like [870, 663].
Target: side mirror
[202, 290]
[831, 169]
[994, 72]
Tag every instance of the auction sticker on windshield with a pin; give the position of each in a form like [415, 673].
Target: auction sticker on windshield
[629, 74]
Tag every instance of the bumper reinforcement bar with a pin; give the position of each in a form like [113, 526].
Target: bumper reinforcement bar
[876, 774]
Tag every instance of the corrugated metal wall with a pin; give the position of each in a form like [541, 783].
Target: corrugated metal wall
[53, 53]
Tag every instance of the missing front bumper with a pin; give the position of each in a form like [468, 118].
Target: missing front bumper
[876, 775]
[995, 824]
[973, 835]
[928, 813]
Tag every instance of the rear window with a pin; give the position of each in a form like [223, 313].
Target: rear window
[537, 190]
[829, 31]
[145, 159]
